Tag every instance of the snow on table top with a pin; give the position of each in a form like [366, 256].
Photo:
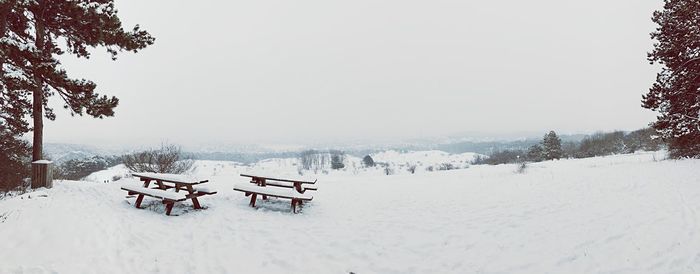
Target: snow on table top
[169, 194]
[180, 178]
[272, 191]
[286, 179]
[288, 184]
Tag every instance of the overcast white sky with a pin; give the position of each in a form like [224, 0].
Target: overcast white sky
[307, 71]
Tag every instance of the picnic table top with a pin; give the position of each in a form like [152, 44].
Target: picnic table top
[278, 179]
[172, 178]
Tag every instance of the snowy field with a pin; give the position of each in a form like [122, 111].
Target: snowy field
[617, 214]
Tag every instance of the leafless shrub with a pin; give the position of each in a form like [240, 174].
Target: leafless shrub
[411, 169]
[116, 178]
[521, 168]
[167, 159]
[446, 166]
[430, 169]
[388, 170]
[313, 159]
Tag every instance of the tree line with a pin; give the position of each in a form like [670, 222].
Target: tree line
[599, 144]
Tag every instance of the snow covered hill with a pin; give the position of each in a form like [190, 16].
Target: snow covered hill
[618, 214]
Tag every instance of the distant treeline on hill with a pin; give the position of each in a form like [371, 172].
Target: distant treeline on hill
[246, 158]
[488, 148]
[599, 144]
[532, 150]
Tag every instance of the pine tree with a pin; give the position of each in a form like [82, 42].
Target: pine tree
[675, 94]
[551, 146]
[13, 155]
[33, 35]
[534, 153]
[368, 161]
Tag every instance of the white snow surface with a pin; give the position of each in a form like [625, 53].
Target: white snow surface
[617, 214]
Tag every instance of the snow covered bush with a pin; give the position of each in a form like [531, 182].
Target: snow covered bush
[388, 170]
[337, 159]
[411, 169]
[446, 166]
[167, 159]
[521, 168]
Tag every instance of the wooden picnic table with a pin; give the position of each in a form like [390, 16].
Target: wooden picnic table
[296, 184]
[295, 192]
[164, 182]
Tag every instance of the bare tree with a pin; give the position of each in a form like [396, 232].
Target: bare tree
[167, 159]
[411, 169]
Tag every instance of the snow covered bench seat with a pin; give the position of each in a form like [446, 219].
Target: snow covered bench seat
[156, 193]
[287, 193]
[304, 187]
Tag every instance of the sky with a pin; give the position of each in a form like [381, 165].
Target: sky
[319, 71]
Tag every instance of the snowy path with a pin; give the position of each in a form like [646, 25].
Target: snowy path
[620, 214]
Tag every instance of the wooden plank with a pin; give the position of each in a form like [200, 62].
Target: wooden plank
[166, 178]
[277, 179]
[154, 195]
[262, 192]
[292, 185]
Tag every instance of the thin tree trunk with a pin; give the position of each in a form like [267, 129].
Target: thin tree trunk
[38, 101]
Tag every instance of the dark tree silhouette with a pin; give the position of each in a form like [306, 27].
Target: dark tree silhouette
[551, 146]
[675, 93]
[33, 35]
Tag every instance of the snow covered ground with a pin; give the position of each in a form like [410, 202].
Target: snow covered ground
[618, 214]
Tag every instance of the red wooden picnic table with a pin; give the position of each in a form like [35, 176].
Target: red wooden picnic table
[296, 184]
[261, 182]
[168, 181]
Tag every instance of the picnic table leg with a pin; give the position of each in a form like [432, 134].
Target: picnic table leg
[169, 208]
[195, 201]
[139, 199]
[252, 199]
[262, 183]
[146, 182]
[297, 186]
[294, 205]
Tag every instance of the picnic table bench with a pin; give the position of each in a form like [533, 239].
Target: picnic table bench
[170, 188]
[275, 187]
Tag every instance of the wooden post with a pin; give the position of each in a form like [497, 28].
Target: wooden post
[42, 175]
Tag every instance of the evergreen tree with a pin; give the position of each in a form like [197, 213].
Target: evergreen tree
[551, 146]
[535, 153]
[29, 49]
[675, 94]
[368, 161]
[13, 158]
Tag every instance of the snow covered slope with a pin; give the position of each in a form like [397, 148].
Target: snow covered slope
[618, 214]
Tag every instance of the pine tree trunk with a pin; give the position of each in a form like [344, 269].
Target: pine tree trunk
[37, 102]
